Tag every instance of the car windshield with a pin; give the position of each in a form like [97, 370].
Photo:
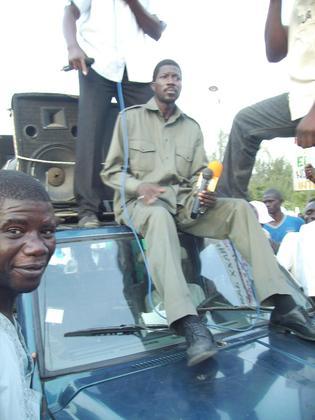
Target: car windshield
[99, 283]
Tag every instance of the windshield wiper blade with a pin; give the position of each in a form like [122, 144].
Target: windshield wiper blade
[115, 330]
[232, 308]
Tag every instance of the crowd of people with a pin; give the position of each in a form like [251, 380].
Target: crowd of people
[291, 237]
[156, 190]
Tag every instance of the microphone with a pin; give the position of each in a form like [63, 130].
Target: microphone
[88, 61]
[217, 169]
[206, 176]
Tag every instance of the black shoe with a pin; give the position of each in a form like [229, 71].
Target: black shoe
[201, 344]
[296, 321]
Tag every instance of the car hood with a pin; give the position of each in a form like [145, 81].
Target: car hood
[271, 377]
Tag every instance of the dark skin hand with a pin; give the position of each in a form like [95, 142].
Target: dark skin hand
[76, 55]
[150, 24]
[305, 131]
[149, 193]
[207, 199]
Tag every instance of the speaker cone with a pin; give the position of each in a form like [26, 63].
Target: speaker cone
[56, 176]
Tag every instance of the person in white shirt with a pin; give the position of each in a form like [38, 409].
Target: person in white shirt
[27, 241]
[296, 252]
[287, 115]
[118, 35]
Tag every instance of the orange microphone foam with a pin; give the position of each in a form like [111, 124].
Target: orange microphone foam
[216, 168]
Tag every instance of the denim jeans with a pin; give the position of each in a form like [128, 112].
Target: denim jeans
[264, 120]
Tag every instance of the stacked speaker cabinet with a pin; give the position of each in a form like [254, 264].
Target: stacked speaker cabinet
[45, 127]
[6, 149]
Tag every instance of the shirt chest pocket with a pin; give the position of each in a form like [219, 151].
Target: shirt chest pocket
[184, 159]
[141, 156]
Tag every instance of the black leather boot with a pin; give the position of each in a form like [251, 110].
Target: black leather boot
[200, 342]
[296, 321]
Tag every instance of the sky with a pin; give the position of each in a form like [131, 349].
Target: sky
[217, 43]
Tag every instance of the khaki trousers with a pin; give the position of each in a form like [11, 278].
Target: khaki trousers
[230, 219]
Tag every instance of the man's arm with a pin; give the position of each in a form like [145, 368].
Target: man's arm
[305, 131]
[150, 24]
[76, 55]
[310, 172]
[112, 172]
[276, 34]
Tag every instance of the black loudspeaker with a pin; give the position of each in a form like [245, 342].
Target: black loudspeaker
[6, 149]
[45, 127]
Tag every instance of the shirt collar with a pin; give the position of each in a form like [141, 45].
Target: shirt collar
[152, 106]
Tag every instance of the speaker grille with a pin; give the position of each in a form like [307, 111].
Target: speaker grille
[45, 127]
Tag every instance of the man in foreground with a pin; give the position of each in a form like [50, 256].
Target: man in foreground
[27, 241]
[166, 154]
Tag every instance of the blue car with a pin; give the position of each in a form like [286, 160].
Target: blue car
[104, 350]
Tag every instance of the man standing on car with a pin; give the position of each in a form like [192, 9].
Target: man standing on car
[118, 35]
[27, 241]
[287, 115]
[166, 154]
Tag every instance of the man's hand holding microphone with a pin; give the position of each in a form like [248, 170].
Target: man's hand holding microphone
[207, 183]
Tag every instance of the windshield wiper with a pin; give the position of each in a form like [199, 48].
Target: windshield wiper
[115, 330]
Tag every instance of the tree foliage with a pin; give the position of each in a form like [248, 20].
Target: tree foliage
[277, 173]
[269, 173]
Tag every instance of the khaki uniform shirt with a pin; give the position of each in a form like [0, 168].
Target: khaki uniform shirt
[169, 153]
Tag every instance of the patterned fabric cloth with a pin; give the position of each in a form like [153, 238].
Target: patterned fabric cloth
[17, 400]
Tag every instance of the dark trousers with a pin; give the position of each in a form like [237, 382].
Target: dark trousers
[265, 120]
[95, 117]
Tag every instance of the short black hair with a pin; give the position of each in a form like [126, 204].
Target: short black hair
[166, 62]
[17, 185]
[275, 193]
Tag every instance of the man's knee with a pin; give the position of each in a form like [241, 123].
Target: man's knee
[154, 216]
[240, 204]
[237, 205]
[160, 214]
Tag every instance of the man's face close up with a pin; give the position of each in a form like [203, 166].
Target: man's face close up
[27, 241]
[168, 84]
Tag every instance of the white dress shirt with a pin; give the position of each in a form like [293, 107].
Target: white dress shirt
[301, 58]
[109, 33]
